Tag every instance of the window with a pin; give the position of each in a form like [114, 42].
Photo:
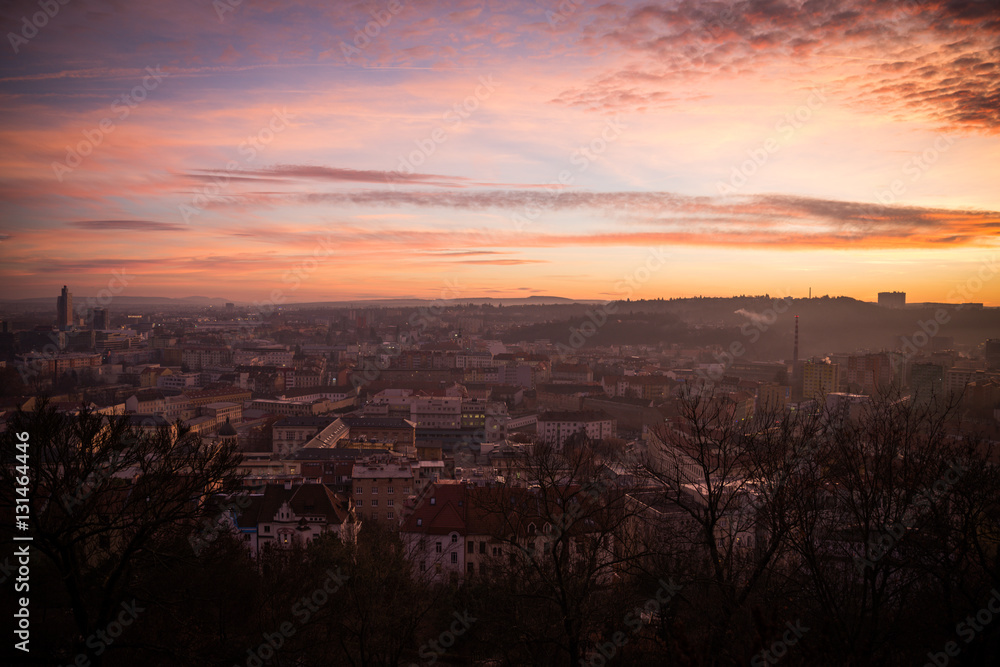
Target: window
[454, 538]
[389, 515]
[422, 544]
[375, 503]
[472, 547]
[374, 488]
[482, 547]
[423, 565]
[471, 567]
[389, 502]
[267, 529]
[389, 490]
[437, 547]
[482, 568]
[360, 502]
[406, 489]
[454, 557]
[358, 490]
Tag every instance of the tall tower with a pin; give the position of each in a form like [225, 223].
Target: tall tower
[795, 350]
[64, 309]
[797, 366]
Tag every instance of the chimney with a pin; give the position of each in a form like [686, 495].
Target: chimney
[795, 350]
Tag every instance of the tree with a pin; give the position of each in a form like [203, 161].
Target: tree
[103, 492]
[564, 541]
[725, 480]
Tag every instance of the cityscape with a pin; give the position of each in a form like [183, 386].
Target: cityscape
[500, 333]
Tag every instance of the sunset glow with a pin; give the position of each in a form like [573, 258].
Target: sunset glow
[508, 148]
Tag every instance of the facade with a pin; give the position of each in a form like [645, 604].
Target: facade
[553, 428]
[773, 397]
[381, 485]
[436, 412]
[870, 373]
[100, 319]
[197, 357]
[819, 379]
[992, 351]
[289, 434]
[892, 299]
[926, 379]
[64, 309]
[285, 516]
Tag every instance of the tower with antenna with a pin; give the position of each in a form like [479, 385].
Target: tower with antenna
[796, 366]
[795, 349]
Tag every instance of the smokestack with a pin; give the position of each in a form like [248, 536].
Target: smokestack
[795, 350]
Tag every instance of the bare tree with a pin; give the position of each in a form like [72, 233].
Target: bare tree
[564, 544]
[102, 492]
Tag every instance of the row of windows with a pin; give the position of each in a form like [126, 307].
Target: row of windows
[358, 490]
[389, 503]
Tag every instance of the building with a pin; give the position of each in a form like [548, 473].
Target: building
[436, 412]
[100, 319]
[285, 516]
[926, 379]
[553, 428]
[871, 373]
[992, 351]
[892, 299]
[819, 378]
[64, 309]
[773, 397]
[289, 434]
[381, 484]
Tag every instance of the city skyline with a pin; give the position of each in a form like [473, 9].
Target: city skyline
[233, 149]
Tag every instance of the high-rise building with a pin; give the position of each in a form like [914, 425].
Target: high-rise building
[926, 380]
[64, 309]
[820, 378]
[993, 353]
[100, 319]
[892, 299]
[872, 373]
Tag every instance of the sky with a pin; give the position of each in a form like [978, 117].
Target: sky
[281, 152]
